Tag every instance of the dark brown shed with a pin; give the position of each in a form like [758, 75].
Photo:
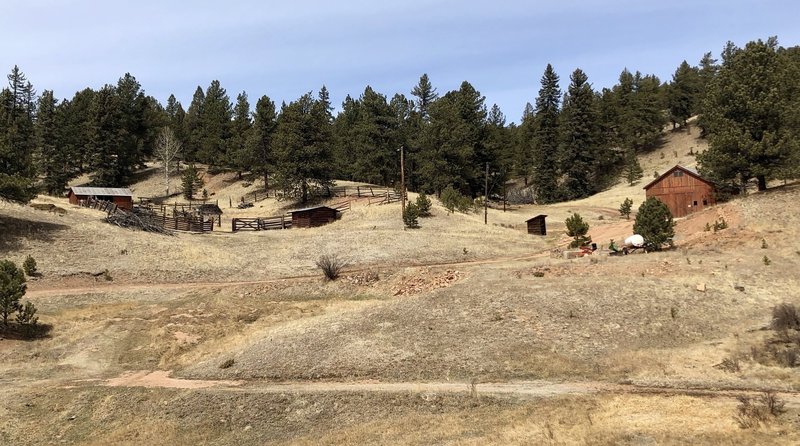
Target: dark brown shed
[313, 217]
[121, 196]
[683, 191]
[537, 226]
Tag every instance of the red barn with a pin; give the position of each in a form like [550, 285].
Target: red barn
[683, 190]
[121, 196]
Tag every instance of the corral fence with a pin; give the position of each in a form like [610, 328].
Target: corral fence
[277, 222]
[371, 192]
[182, 223]
[261, 223]
[101, 205]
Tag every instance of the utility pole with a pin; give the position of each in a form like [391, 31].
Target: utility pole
[486, 198]
[402, 183]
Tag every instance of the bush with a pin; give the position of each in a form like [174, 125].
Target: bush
[12, 288]
[29, 266]
[410, 216]
[654, 223]
[577, 228]
[785, 317]
[625, 208]
[751, 413]
[424, 205]
[331, 265]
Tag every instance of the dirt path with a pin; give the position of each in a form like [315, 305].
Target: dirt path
[117, 287]
[524, 389]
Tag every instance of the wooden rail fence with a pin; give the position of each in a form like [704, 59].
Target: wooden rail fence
[261, 223]
[102, 205]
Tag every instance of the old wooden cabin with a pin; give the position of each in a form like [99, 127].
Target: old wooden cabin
[313, 217]
[683, 190]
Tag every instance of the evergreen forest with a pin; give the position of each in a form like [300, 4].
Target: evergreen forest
[567, 144]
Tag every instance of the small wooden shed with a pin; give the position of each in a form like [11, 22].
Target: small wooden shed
[313, 217]
[121, 196]
[683, 190]
[537, 226]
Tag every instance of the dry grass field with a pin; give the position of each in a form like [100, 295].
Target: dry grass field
[455, 333]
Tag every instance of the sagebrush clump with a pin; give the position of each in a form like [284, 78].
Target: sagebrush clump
[331, 265]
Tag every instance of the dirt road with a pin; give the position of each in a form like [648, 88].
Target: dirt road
[521, 389]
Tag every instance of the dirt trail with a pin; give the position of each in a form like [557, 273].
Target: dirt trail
[524, 389]
[118, 287]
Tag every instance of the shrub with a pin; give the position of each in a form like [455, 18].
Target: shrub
[29, 266]
[766, 261]
[577, 228]
[785, 317]
[751, 413]
[12, 288]
[410, 216]
[654, 223]
[331, 265]
[228, 363]
[625, 208]
[424, 205]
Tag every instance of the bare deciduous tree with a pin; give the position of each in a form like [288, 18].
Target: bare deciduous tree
[167, 149]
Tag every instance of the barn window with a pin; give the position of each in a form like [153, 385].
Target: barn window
[695, 203]
[678, 173]
[705, 202]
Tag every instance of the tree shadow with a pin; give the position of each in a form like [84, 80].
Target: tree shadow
[19, 332]
[14, 230]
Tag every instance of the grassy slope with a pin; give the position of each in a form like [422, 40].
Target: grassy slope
[607, 319]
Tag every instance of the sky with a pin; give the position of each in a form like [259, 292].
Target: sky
[285, 49]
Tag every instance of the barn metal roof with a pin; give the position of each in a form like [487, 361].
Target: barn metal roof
[691, 172]
[103, 191]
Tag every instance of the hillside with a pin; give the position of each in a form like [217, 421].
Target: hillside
[471, 333]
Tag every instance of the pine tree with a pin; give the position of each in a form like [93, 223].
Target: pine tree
[215, 125]
[303, 146]
[366, 136]
[654, 223]
[110, 163]
[261, 142]
[12, 288]
[683, 93]
[132, 131]
[425, 94]
[194, 125]
[751, 115]
[17, 138]
[580, 139]
[54, 159]
[239, 156]
[451, 141]
[191, 182]
[176, 118]
[545, 139]
[633, 170]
